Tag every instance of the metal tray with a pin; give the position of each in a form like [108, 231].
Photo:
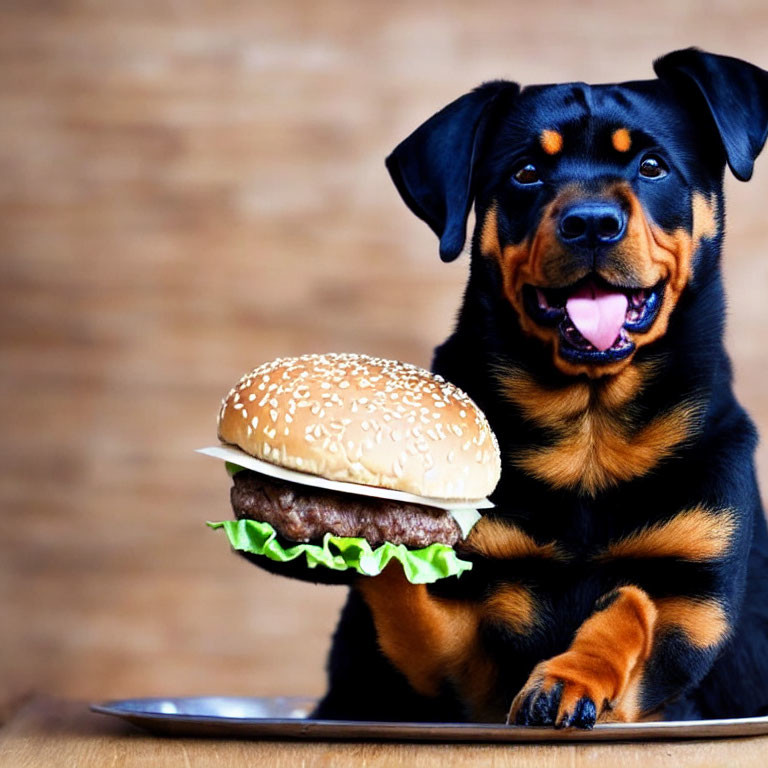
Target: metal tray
[286, 718]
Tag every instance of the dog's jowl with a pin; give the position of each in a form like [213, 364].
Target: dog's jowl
[623, 573]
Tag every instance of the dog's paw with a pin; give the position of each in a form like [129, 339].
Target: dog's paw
[552, 698]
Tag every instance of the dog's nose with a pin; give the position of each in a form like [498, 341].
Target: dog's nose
[592, 223]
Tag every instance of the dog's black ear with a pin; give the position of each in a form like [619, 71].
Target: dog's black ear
[432, 169]
[736, 93]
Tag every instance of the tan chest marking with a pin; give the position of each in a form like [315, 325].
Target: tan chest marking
[597, 442]
[697, 534]
[499, 540]
[513, 606]
[703, 621]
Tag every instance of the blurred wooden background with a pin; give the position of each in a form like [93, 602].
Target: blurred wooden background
[188, 189]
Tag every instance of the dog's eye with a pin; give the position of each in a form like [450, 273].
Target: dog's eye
[527, 174]
[652, 167]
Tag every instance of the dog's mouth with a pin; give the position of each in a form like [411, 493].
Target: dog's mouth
[594, 319]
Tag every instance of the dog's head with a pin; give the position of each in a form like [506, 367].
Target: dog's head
[592, 202]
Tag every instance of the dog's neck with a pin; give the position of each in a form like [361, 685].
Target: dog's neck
[589, 434]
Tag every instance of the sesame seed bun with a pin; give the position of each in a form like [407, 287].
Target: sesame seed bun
[364, 420]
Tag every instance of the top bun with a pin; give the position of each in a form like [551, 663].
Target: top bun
[366, 420]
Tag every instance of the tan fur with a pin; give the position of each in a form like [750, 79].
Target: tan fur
[697, 534]
[621, 140]
[513, 606]
[433, 641]
[421, 635]
[646, 255]
[596, 444]
[704, 622]
[499, 540]
[551, 141]
[600, 453]
[704, 218]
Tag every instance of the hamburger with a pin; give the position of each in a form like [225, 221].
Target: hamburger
[346, 462]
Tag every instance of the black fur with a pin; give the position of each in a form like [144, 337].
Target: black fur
[702, 112]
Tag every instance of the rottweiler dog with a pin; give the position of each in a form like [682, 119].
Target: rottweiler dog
[623, 573]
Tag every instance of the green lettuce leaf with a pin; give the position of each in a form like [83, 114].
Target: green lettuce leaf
[421, 566]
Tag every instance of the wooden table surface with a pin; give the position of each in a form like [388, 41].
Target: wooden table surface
[51, 732]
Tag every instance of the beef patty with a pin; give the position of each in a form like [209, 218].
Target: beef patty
[303, 513]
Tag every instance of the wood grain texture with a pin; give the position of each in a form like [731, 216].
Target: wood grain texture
[187, 190]
[59, 733]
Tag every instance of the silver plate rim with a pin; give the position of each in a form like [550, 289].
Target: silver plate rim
[137, 711]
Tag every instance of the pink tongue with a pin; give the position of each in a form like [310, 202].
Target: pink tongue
[598, 314]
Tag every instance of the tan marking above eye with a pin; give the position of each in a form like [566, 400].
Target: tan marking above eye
[551, 141]
[621, 140]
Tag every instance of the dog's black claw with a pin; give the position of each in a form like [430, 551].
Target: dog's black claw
[545, 709]
[523, 714]
[566, 721]
[540, 710]
[539, 707]
[584, 714]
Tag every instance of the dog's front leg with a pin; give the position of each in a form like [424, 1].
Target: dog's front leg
[433, 641]
[598, 677]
